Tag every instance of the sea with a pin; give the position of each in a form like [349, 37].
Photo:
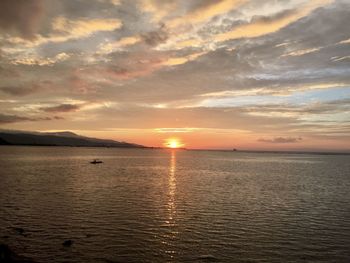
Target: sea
[157, 205]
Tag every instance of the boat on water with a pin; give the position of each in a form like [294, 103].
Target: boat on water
[96, 161]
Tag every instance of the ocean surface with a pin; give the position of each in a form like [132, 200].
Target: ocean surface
[174, 205]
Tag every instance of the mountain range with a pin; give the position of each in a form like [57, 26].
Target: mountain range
[66, 138]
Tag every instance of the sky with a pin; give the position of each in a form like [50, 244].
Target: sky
[223, 74]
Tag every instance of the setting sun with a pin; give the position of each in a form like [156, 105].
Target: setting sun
[173, 143]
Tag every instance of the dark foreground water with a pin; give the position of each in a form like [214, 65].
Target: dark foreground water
[174, 206]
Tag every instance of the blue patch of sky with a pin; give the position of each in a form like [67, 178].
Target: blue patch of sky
[297, 98]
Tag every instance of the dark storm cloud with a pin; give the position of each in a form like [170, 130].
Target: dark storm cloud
[61, 108]
[21, 90]
[22, 16]
[8, 118]
[272, 18]
[281, 140]
[156, 37]
[4, 118]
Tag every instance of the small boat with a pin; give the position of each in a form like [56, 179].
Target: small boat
[96, 161]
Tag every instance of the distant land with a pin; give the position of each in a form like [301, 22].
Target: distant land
[58, 139]
[67, 138]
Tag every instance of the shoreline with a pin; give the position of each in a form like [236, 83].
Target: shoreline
[188, 149]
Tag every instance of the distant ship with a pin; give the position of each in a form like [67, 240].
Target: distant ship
[96, 161]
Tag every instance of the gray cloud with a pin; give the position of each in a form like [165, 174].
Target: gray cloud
[22, 16]
[8, 118]
[281, 140]
[155, 37]
[8, 72]
[272, 18]
[21, 90]
[61, 108]
[315, 108]
[5, 119]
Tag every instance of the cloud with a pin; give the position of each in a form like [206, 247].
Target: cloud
[79, 84]
[40, 61]
[61, 108]
[107, 48]
[83, 27]
[182, 60]
[301, 52]
[346, 41]
[8, 72]
[150, 38]
[176, 130]
[156, 37]
[115, 2]
[281, 91]
[341, 58]
[133, 65]
[6, 119]
[64, 29]
[281, 140]
[158, 66]
[125, 65]
[260, 26]
[158, 8]
[205, 12]
[23, 16]
[301, 112]
[21, 90]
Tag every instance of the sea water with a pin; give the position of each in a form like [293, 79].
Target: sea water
[143, 205]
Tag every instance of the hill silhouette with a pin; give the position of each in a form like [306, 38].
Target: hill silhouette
[65, 138]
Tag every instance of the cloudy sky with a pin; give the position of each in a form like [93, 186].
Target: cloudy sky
[248, 74]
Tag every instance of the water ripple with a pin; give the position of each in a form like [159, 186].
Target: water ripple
[174, 206]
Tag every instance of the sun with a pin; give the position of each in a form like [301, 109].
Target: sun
[173, 143]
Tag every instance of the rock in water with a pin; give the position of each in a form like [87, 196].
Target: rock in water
[9, 256]
[67, 243]
[5, 253]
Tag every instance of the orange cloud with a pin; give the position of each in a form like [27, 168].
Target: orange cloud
[65, 29]
[182, 60]
[121, 43]
[205, 13]
[262, 27]
[84, 27]
[158, 9]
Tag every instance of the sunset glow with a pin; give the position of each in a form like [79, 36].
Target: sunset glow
[173, 143]
[174, 130]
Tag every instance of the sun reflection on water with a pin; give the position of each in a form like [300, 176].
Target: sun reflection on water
[172, 190]
[171, 207]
